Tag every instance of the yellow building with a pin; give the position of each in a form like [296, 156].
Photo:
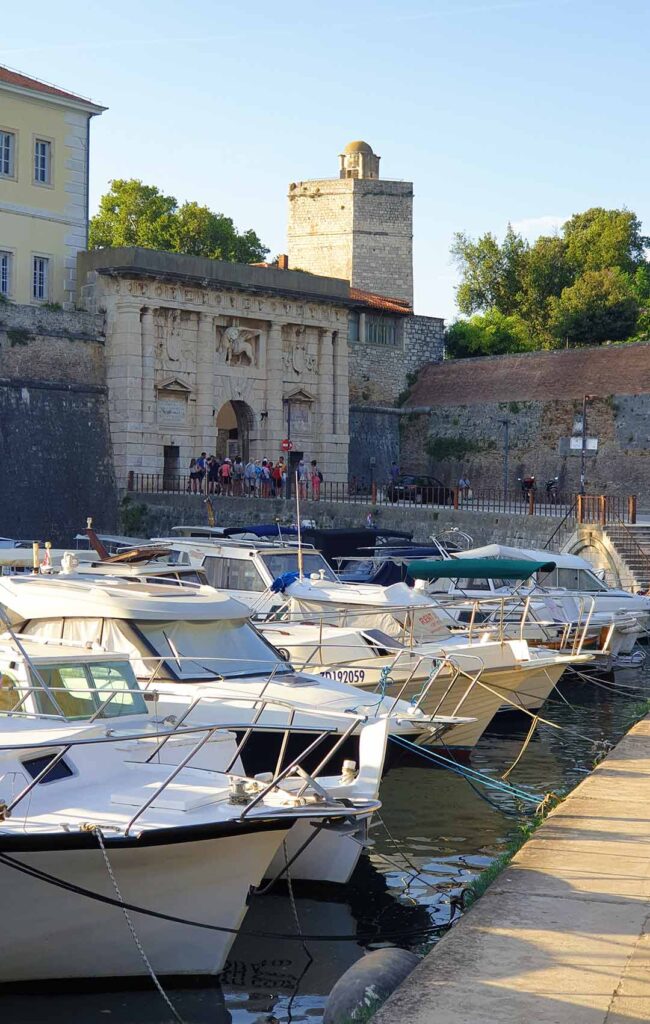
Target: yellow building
[44, 153]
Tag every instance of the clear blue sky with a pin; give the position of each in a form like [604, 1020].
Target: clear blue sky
[497, 110]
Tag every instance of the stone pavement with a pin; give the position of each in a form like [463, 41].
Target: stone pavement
[562, 936]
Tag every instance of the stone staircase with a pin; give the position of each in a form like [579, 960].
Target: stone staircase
[632, 544]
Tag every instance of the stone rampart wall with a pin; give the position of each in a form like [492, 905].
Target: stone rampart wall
[540, 394]
[56, 461]
[51, 344]
[451, 440]
[373, 435]
[569, 373]
[154, 515]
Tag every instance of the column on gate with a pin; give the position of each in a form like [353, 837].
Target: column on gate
[124, 380]
[205, 428]
[326, 391]
[274, 390]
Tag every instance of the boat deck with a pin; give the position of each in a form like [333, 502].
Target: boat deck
[562, 936]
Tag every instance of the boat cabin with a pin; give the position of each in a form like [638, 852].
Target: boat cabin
[49, 677]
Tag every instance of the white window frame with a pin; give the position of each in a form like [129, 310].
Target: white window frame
[43, 140]
[6, 272]
[13, 166]
[46, 277]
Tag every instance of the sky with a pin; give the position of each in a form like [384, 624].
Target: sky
[497, 110]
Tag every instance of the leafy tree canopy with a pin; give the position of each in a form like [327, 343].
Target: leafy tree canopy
[490, 334]
[588, 284]
[132, 213]
[599, 307]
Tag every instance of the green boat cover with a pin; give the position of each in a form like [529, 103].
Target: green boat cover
[476, 568]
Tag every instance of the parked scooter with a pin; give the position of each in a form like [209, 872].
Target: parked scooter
[528, 486]
[551, 489]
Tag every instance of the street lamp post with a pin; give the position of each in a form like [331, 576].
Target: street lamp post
[506, 444]
[583, 449]
[287, 402]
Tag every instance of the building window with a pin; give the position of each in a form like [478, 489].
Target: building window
[381, 330]
[41, 267]
[5, 273]
[7, 154]
[42, 161]
[353, 327]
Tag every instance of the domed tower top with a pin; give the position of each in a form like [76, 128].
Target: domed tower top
[358, 161]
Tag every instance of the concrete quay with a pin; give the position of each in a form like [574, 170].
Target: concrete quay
[562, 936]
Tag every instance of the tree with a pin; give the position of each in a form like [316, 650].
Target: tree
[492, 334]
[548, 288]
[600, 306]
[598, 239]
[132, 213]
[491, 273]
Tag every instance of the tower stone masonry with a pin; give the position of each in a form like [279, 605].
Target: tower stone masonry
[357, 226]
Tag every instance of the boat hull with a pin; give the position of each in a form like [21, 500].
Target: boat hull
[51, 933]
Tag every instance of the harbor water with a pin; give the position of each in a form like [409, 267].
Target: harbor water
[435, 833]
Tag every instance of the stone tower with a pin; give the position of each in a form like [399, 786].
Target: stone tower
[357, 226]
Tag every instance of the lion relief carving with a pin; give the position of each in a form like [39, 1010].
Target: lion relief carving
[238, 346]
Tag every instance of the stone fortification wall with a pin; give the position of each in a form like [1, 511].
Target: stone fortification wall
[569, 373]
[380, 373]
[55, 452]
[373, 435]
[50, 344]
[540, 395]
[154, 515]
[424, 342]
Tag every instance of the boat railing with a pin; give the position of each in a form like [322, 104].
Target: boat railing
[256, 789]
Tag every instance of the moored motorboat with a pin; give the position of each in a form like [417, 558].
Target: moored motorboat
[99, 819]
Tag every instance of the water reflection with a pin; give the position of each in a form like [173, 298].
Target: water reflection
[435, 832]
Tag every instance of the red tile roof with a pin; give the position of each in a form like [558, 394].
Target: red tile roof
[389, 305]
[11, 77]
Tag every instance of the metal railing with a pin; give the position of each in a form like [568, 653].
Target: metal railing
[628, 546]
[585, 508]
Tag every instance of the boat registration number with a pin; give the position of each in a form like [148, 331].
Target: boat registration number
[345, 675]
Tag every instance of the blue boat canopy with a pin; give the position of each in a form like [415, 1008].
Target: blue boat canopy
[476, 568]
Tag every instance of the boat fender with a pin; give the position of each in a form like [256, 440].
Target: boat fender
[367, 984]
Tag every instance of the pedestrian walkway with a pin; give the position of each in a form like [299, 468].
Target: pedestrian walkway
[562, 936]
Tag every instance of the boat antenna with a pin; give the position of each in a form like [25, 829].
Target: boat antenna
[298, 526]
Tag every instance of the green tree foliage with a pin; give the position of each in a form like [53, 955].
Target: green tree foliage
[132, 213]
[599, 307]
[588, 284]
[490, 334]
[598, 239]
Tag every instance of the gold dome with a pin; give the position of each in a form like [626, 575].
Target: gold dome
[358, 147]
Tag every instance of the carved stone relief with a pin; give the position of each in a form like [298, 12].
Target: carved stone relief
[237, 345]
[176, 333]
[296, 357]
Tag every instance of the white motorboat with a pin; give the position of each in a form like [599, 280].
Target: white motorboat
[397, 639]
[564, 590]
[100, 819]
[390, 640]
[180, 638]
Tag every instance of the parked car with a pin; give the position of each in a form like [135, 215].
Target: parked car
[427, 490]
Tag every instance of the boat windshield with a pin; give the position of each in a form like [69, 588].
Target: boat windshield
[80, 689]
[287, 561]
[201, 650]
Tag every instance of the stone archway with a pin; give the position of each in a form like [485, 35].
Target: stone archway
[234, 423]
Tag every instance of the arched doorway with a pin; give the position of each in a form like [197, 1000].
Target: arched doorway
[234, 424]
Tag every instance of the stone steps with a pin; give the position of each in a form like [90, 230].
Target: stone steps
[633, 546]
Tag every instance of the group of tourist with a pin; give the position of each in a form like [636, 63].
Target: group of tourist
[262, 478]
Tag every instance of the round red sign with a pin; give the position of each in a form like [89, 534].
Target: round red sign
[286, 445]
